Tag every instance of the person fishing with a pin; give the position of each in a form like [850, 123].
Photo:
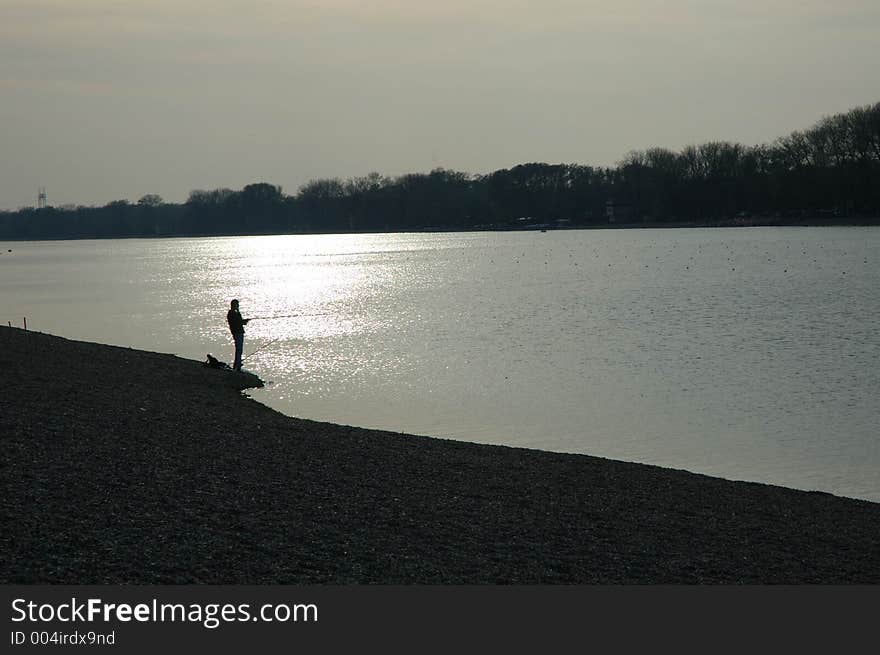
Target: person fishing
[236, 326]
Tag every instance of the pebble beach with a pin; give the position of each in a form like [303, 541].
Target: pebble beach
[122, 466]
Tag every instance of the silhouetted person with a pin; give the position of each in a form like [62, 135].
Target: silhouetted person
[236, 326]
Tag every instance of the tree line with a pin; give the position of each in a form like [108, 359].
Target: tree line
[828, 172]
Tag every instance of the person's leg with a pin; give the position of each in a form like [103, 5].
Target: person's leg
[239, 347]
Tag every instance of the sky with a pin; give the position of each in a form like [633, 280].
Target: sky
[104, 100]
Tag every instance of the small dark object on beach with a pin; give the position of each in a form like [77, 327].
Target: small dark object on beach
[213, 362]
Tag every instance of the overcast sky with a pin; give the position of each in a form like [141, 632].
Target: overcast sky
[113, 99]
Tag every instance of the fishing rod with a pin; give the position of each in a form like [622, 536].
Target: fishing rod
[266, 318]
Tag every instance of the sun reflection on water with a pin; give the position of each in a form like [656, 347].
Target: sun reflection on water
[304, 295]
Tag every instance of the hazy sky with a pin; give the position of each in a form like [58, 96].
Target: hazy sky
[110, 99]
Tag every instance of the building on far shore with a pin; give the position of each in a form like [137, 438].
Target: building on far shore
[617, 211]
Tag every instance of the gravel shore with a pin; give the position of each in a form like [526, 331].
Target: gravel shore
[122, 466]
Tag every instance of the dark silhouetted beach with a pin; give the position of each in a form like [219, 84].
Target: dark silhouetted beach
[121, 466]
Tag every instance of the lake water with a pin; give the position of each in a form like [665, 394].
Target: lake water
[750, 353]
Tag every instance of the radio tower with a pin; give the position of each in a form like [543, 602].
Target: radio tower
[41, 198]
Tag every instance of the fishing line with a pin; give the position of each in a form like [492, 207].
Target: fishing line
[263, 347]
[266, 318]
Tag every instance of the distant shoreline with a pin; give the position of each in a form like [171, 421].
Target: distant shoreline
[726, 224]
[131, 467]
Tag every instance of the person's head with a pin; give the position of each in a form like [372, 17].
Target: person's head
[234, 304]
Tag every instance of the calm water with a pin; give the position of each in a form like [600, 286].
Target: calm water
[750, 354]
